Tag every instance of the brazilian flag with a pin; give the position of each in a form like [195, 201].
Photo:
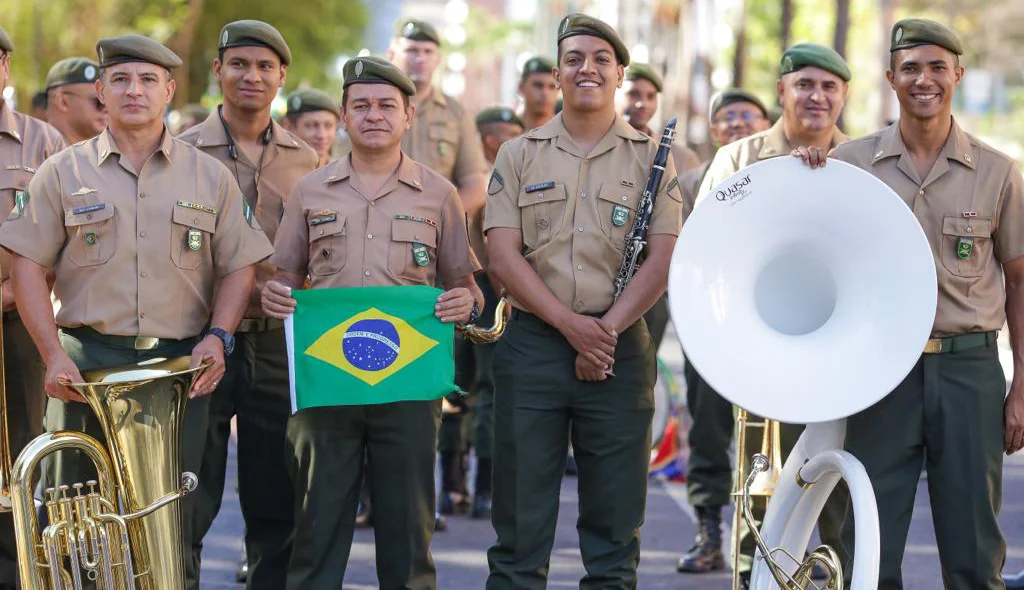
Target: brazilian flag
[368, 345]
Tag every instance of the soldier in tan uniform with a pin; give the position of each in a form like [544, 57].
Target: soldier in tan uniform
[72, 105]
[358, 223]
[812, 88]
[313, 116]
[561, 199]
[152, 254]
[539, 90]
[24, 143]
[949, 414]
[266, 161]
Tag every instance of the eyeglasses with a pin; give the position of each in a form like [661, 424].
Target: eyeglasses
[746, 116]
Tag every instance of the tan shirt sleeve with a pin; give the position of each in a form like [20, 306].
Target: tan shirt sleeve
[38, 234]
[236, 244]
[1009, 239]
[684, 158]
[55, 145]
[667, 217]
[722, 166]
[502, 208]
[470, 159]
[291, 245]
[455, 258]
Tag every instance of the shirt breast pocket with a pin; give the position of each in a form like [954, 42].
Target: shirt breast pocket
[966, 245]
[191, 233]
[328, 250]
[92, 233]
[412, 251]
[444, 141]
[616, 209]
[541, 213]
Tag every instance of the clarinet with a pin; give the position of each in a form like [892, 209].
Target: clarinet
[636, 239]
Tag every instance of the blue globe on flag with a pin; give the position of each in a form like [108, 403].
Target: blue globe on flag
[371, 344]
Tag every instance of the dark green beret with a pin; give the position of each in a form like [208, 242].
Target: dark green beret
[803, 55]
[376, 70]
[582, 24]
[72, 70]
[5, 41]
[732, 96]
[417, 30]
[308, 100]
[645, 71]
[39, 99]
[499, 115]
[911, 32]
[538, 65]
[249, 33]
[126, 48]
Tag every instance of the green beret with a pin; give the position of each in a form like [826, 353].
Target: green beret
[499, 115]
[417, 30]
[72, 70]
[911, 32]
[126, 48]
[538, 65]
[5, 41]
[376, 70]
[803, 55]
[645, 71]
[582, 24]
[39, 99]
[732, 96]
[308, 100]
[248, 33]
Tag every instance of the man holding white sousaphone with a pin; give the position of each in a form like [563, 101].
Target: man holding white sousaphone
[948, 412]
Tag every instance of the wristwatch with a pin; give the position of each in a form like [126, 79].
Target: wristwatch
[226, 337]
[475, 314]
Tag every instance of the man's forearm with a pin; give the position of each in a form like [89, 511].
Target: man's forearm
[646, 286]
[232, 298]
[32, 294]
[1015, 321]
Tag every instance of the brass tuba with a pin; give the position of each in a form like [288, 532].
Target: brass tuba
[124, 530]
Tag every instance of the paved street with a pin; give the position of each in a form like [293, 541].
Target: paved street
[460, 552]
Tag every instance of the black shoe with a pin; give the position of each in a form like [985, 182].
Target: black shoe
[364, 517]
[745, 581]
[481, 506]
[440, 523]
[706, 553]
[1014, 582]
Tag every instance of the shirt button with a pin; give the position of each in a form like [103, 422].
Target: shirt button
[920, 193]
[142, 315]
[143, 275]
[321, 232]
[142, 234]
[142, 195]
[970, 230]
[366, 272]
[369, 236]
[579, 267]
[540, 196]
[371, 203]
[583, 195]
[580, 228]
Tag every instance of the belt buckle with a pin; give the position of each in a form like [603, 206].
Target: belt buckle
[146, 342]
[933, 346]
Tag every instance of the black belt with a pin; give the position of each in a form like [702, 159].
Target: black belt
[259, 324]
[131, 342]
[960, 342]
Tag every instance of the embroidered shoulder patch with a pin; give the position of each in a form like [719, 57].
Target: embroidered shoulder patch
[496, 184]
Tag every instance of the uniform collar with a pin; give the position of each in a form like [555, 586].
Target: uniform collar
[8, 124]
[106, 146]
[957, 147]
[212, 133]
[555, 129]
[437, 96]
[408, 172]
[777, 144]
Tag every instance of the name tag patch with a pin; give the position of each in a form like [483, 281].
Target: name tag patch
[322, 217]
[197, 207]
[88, 208]
[540, 186]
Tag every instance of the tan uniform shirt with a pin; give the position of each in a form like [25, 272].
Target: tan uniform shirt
[287, 159]
[443, 138]
[689, 183]
[973, 194]
[24, 143]
[574, 209]
[684, 158]
[136, 253]
[770, 143]
[412, 232]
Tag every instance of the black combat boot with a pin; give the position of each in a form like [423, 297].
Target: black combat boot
[706, 553]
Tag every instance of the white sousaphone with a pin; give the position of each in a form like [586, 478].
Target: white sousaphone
[805, 296]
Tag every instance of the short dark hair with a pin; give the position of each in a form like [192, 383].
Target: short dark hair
[618, 61]
[344, 98]
[892, 59]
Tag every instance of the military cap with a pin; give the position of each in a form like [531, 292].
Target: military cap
[5, 41]
[39, 99]
[249, 33]
[417, 30]
[126, 48]
[639, 71]
[498, 115]
[803, 55]
[911, 32]
[72, 70]
[376, 70]
[538, 65]
[308, 100]
[732, 96]
[582, 24]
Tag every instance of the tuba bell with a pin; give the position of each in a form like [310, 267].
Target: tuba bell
[805, 296]
[123, 530]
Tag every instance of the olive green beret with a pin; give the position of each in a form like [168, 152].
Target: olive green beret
[308, 100]
[72, 70]
[582, 24]
[803, 55]
[911, 32]
[126, 48]
[5, 41]
[248, 33]
[376, 70]
[645, 71]
[39, 99]
[499, 115]
[417, 30]
[538, 65]
[732, 96]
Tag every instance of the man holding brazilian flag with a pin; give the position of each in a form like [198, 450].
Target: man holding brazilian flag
[370, 340]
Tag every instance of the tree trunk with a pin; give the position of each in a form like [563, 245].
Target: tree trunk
[739, 60]
[841, 33]
[181, 43]
[786, 26]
